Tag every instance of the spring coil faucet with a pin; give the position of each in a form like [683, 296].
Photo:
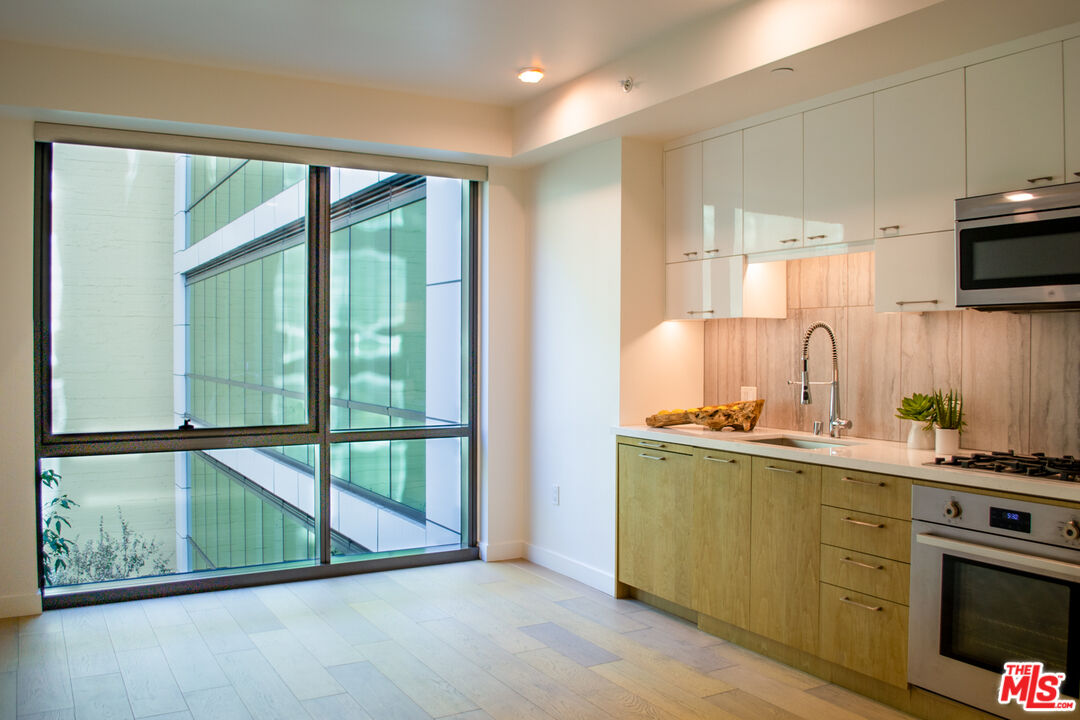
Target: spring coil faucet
[835, 422]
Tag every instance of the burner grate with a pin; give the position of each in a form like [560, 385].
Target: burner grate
[1066, 468]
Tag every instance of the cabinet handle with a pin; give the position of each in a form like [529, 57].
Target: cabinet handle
[712, 251]
[789, 240]
[863, 523]
[849, 561]
[783, 470]
[889, 227]
[710, 458]
[871, 608]
[651, 457]
[916, 302]
[646, 443]
[1044, 177]
[700, 312]
[1077, 174]
[815, 237]
[857, 481]
[688, 254]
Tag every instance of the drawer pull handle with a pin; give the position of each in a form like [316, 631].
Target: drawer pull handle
[886, 228]
[857, 481]
[816, 237]
[646, 443]
[688, 254]
[862, 523]
[1044, 177]
[784, 470]
[651, 457]
[902, 303]
[714, 250]
[789, 240]
[710, 458]
[849, 561]
[871, 608]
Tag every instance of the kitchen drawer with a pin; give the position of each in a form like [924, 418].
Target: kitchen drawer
[867, 492]
[864, 573]
[874, 534]
[656, 445]
[864, 633]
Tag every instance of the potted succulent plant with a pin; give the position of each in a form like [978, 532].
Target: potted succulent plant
[919, 409]
[948, 421]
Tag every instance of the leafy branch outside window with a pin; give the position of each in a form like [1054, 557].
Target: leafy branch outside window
[56, 548]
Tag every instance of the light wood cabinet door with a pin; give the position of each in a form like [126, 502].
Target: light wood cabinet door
[918, 155]
[838, 155]
[773, 185]
[1014, 122]
[722, 195]
[915, 273]
[865, 573]
[864, 633]
[682, 193]
[874, 534]
[785, 531]
[720, 536]
[866, 491]
[1071, 52]
[655, 503]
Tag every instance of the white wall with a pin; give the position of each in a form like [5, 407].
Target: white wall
[574, 394]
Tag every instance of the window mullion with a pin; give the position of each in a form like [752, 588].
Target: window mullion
[319, 338]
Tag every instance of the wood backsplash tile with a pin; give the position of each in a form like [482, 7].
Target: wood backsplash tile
[1055, 383]
[823, 281]
[1020, 373]
[995, 377]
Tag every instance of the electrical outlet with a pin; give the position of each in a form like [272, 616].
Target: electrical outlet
[554, 494]
[748, 392]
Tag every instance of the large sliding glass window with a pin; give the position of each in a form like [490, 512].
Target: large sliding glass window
[248, 364]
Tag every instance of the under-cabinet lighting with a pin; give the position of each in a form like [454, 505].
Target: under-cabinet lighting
[1019, 197]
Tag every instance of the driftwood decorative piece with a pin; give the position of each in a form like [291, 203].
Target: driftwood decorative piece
[738, 415]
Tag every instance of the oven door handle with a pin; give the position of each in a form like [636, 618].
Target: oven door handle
[1022, 561]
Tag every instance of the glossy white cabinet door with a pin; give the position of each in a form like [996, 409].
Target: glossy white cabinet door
[918, 155]
[838, 154]
[684, 296]
[915, 273]
[1015, 122]
[722, 195]
[682, 190]
[1072, 110]
[773, 185]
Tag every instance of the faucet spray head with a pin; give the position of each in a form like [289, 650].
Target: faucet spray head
[804, 394]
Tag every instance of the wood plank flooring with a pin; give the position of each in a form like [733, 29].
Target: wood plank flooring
[470, 641]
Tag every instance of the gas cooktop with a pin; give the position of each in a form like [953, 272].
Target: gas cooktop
[1066, 468]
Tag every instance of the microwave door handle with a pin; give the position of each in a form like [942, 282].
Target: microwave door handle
[1021, 561]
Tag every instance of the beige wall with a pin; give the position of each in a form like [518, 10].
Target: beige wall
[1019, 372]
[18, 538]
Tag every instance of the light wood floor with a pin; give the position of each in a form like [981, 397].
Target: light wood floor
[470, 641]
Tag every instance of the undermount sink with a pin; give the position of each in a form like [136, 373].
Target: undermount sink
[786, 441]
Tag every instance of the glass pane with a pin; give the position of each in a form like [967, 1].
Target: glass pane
[178, 288]
[130, 516]
[398, 305]
[398, 494]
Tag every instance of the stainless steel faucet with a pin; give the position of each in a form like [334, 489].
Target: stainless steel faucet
[836, 424]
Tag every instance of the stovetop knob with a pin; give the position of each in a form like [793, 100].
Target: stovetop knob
[1071, 530]
[952, 510]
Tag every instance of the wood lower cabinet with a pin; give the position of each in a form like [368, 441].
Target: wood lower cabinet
[785, 530]
[864, 633]
[720, 536]
[655, 503]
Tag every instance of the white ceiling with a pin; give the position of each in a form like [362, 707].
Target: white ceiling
[464, 49]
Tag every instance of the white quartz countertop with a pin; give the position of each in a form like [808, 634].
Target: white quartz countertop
[880, 456]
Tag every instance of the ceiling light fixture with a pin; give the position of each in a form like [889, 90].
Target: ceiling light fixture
[531, 75]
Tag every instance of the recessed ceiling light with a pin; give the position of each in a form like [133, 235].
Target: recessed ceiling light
[531, 74]
[783, 70]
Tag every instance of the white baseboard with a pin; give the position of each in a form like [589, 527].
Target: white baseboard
[591, 576]
[20, 605]
[494, 552]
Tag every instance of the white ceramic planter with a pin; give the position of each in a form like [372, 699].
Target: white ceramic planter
[919, 437]
[946, 442]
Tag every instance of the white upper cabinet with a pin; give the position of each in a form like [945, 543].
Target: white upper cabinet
[1072, 110]
[838, 155]
[915, 273]
[919, 155]
[722, 195]
[726, 287]
[1014, 122]
[682, 189]
[773, 185]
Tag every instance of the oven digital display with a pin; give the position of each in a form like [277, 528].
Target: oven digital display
[1010, 520]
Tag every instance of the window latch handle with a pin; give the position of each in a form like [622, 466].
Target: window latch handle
[187, 425]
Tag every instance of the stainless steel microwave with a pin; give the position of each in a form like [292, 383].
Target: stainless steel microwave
[1019, 250]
